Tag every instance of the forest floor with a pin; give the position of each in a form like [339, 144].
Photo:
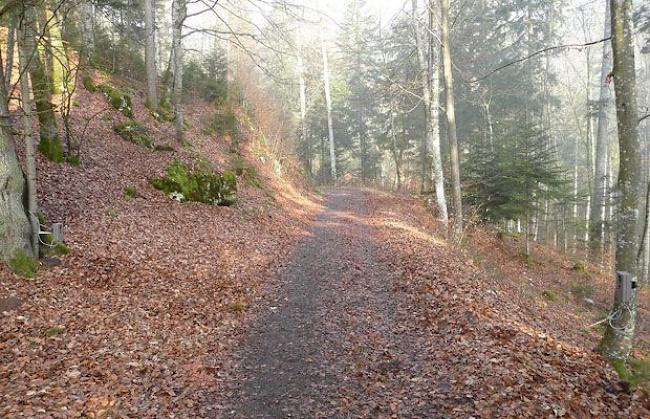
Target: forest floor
[345, 304]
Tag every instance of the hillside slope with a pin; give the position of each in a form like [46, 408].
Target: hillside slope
[153, 290]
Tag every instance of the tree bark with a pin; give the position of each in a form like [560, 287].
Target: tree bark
[150, 54]
[30, 152]
[11, 42]
[303, 105]
[430, 81]
[87, 36]
[179, 12]
[596, 217]
[619, 333]
[451, 122]
[328, 103]
[14, 225]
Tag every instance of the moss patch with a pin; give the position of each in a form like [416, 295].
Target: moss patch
[89, 84]
[52, 149]
[635, 372]
[23, 264]
[199, 184]
[118, 99]
[134, 132]
[129, 192]
[164, 148]
[56, 330]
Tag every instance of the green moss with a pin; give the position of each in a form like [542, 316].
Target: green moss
[89, 84]
[164, 148]
[23, 264]
[59, 249]
[134, 132]
[52, 149]
[73, 160]
[129, 192]
[106, 117]
[550, 295]
[56, 330]
[111, 212]
[200, 184]
[635, 372]
[118, 99]
[235, 307]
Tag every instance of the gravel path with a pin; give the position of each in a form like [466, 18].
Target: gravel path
[332, 344]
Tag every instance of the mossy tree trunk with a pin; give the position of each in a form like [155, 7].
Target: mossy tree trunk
[619, 334]
[49, 131]
[58, 65]
[14, 225]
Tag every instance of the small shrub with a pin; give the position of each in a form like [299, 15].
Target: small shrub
[580, 266]
[199, 185]
[224, 122]
[56, 249]
[111, 212]
[243, 168]
[23, 264]
[134, 132]
[118, 99]
[56, 330]
[52, 149]
[129, 192]
[89, 84]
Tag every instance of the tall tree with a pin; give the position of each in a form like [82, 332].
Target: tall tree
[150, 53]
[617, 341]
[430, 94]
[602, 137]
[450, 111]
[328, 104]
[179, 13]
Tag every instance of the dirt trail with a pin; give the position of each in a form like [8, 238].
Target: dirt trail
[333, 322]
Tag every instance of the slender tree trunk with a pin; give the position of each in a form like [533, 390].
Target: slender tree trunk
[30, 152]
[49, 131]
[179, 12]
[597, 207]
[574, 209]
[303, 108]
[87, 36]
[15, 231]
[619, 333]
[450, 111]
[430, 90]
[11, 41]
[150, 54]
[328, 104]
[59, 61]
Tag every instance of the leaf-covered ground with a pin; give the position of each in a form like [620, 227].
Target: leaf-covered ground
[376, 317]
[279, 305]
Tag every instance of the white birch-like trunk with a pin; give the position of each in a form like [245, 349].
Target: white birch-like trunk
[150, 53]
[598, 208]
[430, 80]
[450, 111]
[179, 12]
[303, 103]
[328, 104]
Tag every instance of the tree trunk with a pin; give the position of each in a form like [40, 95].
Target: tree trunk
[619, 333]
[11, 41]
[49, 131]
[30, 152]
[303, 106]
[430, 86]
[179, 12]
[59, 61]
[87, 36]
[14, 225]
[451, 122]
[328, 103]
[150, 54]
[597, 206]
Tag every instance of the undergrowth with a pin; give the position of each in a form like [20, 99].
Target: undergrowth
[198, 184]
[134, 132]
[118, 99]
[23, 264]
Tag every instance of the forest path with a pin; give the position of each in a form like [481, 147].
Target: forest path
[335, 342]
